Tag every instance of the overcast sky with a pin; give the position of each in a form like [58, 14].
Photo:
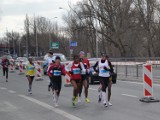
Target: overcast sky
[12, 12]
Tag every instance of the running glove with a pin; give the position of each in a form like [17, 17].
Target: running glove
[106, 68]
[71, 72]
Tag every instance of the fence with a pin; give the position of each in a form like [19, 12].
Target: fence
[135, 72]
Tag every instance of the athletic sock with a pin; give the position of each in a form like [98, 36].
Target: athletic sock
[30, 87]
[56, 97]
[104, 96]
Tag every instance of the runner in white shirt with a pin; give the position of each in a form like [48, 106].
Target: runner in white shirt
[103, 73]
[49, 61]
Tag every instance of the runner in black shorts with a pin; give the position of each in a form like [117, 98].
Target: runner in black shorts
[5, 64]
[75, 68]
[84, 77]
[55, 72]
[103, 73]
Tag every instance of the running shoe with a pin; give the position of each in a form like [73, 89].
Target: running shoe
[87, 100]
[110, 104]
[56, 105]
[73, 102]
[105, 105]
[76, 99]
[29, 91]
[6, 80]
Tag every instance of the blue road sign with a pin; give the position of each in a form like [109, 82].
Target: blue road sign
[73, 43]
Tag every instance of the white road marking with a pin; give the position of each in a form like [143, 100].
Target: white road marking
[56, 110]
[133, 96]
[11, 91]
[93, 89]
[10, 106]
[3, 88]
[7, 107]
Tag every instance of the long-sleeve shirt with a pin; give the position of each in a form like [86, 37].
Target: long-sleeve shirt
[56, 67]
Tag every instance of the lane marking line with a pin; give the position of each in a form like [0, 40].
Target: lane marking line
[11, 91]
[56, 110]
[9, 105]
[93, 89]
[133, 96]
[3, 88]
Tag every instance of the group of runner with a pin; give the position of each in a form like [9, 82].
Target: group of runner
[79, 70]
[30, 71]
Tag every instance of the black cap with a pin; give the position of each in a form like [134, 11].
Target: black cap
[50, 52]
[75, 57]
[57, 57]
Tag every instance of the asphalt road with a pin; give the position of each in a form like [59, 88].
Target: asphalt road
[16, 104]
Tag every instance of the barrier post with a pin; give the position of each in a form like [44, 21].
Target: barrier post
[21, 72]
[11, 67]
[148, 84]
[67, 79]
[126, 70]
[38, 71]
[137, 71]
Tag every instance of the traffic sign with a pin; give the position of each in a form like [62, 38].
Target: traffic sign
[55, 45]
[73, 44]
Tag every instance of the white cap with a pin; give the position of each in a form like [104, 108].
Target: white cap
[82, 53]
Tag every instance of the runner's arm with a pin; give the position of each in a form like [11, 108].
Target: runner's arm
[46, 62]
[88, 67]
[82, 67]
[63, 70]
[68, 67]
[95, 66]
[49, 71]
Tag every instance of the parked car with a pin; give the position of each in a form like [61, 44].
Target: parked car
[63, 60]
[24, 62]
